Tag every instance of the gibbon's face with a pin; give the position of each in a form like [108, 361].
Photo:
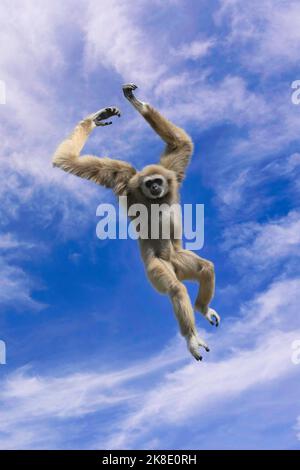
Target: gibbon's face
[154, 186]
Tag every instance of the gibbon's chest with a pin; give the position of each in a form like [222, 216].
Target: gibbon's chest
[155, 220]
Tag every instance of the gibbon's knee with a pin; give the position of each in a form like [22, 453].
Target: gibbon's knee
[207, 271]
[177, 290]
[160, 277]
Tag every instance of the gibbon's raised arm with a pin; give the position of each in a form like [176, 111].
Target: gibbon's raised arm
[179, 146]
[107, 172]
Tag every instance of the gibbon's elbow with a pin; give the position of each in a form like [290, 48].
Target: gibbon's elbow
[184, 146]
[61, 161]
[56, 163]
[188, 145]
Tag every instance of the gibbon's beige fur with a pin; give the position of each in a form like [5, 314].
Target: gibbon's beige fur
[167, 264]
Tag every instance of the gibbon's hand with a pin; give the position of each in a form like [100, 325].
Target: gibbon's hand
[103, 114]
[128, 90]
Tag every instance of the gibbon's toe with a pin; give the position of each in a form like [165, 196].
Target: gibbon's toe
[203, 344]
[213, 318]
[193, 344]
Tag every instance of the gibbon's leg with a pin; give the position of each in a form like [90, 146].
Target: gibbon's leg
[179, 145]
[163, 278]
[189, 266]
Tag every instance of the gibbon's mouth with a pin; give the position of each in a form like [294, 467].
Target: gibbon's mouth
[156, 192]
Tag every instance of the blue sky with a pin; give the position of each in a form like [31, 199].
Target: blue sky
[94, 358]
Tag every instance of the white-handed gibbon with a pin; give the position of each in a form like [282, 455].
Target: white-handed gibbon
[167, 264]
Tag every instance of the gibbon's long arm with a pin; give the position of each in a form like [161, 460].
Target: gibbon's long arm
[110, 173]
[179, 146]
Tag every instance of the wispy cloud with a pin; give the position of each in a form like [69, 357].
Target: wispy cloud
[218, 81]
[195, 49]
[264, 34]
[16, 285]
[121, 44]
[37, 407]
[255, 358]
[268, 243]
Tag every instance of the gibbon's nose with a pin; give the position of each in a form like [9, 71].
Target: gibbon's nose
[155, 189]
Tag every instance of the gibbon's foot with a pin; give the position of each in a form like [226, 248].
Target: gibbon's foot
[128, 90]
[103, 114]
[193, 344]
[212, 316]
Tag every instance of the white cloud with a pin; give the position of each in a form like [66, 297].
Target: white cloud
[16, 285]
[8, 242]
[36, 406]
[115, 38]
[258, 352]
[286, 167]
[195, 49]
[209, 103]
[36, 410]
[266, 33]
[269, 243]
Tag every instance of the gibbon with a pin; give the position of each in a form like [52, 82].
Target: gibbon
[167, 264]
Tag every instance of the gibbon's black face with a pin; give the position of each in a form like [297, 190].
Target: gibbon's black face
[154, 186]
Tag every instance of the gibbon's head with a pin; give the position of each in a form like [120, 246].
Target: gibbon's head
[154, 186]
[154, 182]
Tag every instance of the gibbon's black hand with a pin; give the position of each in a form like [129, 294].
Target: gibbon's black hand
[105, 113]
[128, 90]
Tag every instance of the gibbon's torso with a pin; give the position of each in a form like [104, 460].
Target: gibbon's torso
[163, 224]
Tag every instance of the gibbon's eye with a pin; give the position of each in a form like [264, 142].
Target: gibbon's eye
[148, 183]
[158, 181]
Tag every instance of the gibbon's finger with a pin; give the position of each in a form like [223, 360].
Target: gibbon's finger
[128, 89]
[131, 86]
[102, 124]
[105, 114]
[113, 111]
[203, 344]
